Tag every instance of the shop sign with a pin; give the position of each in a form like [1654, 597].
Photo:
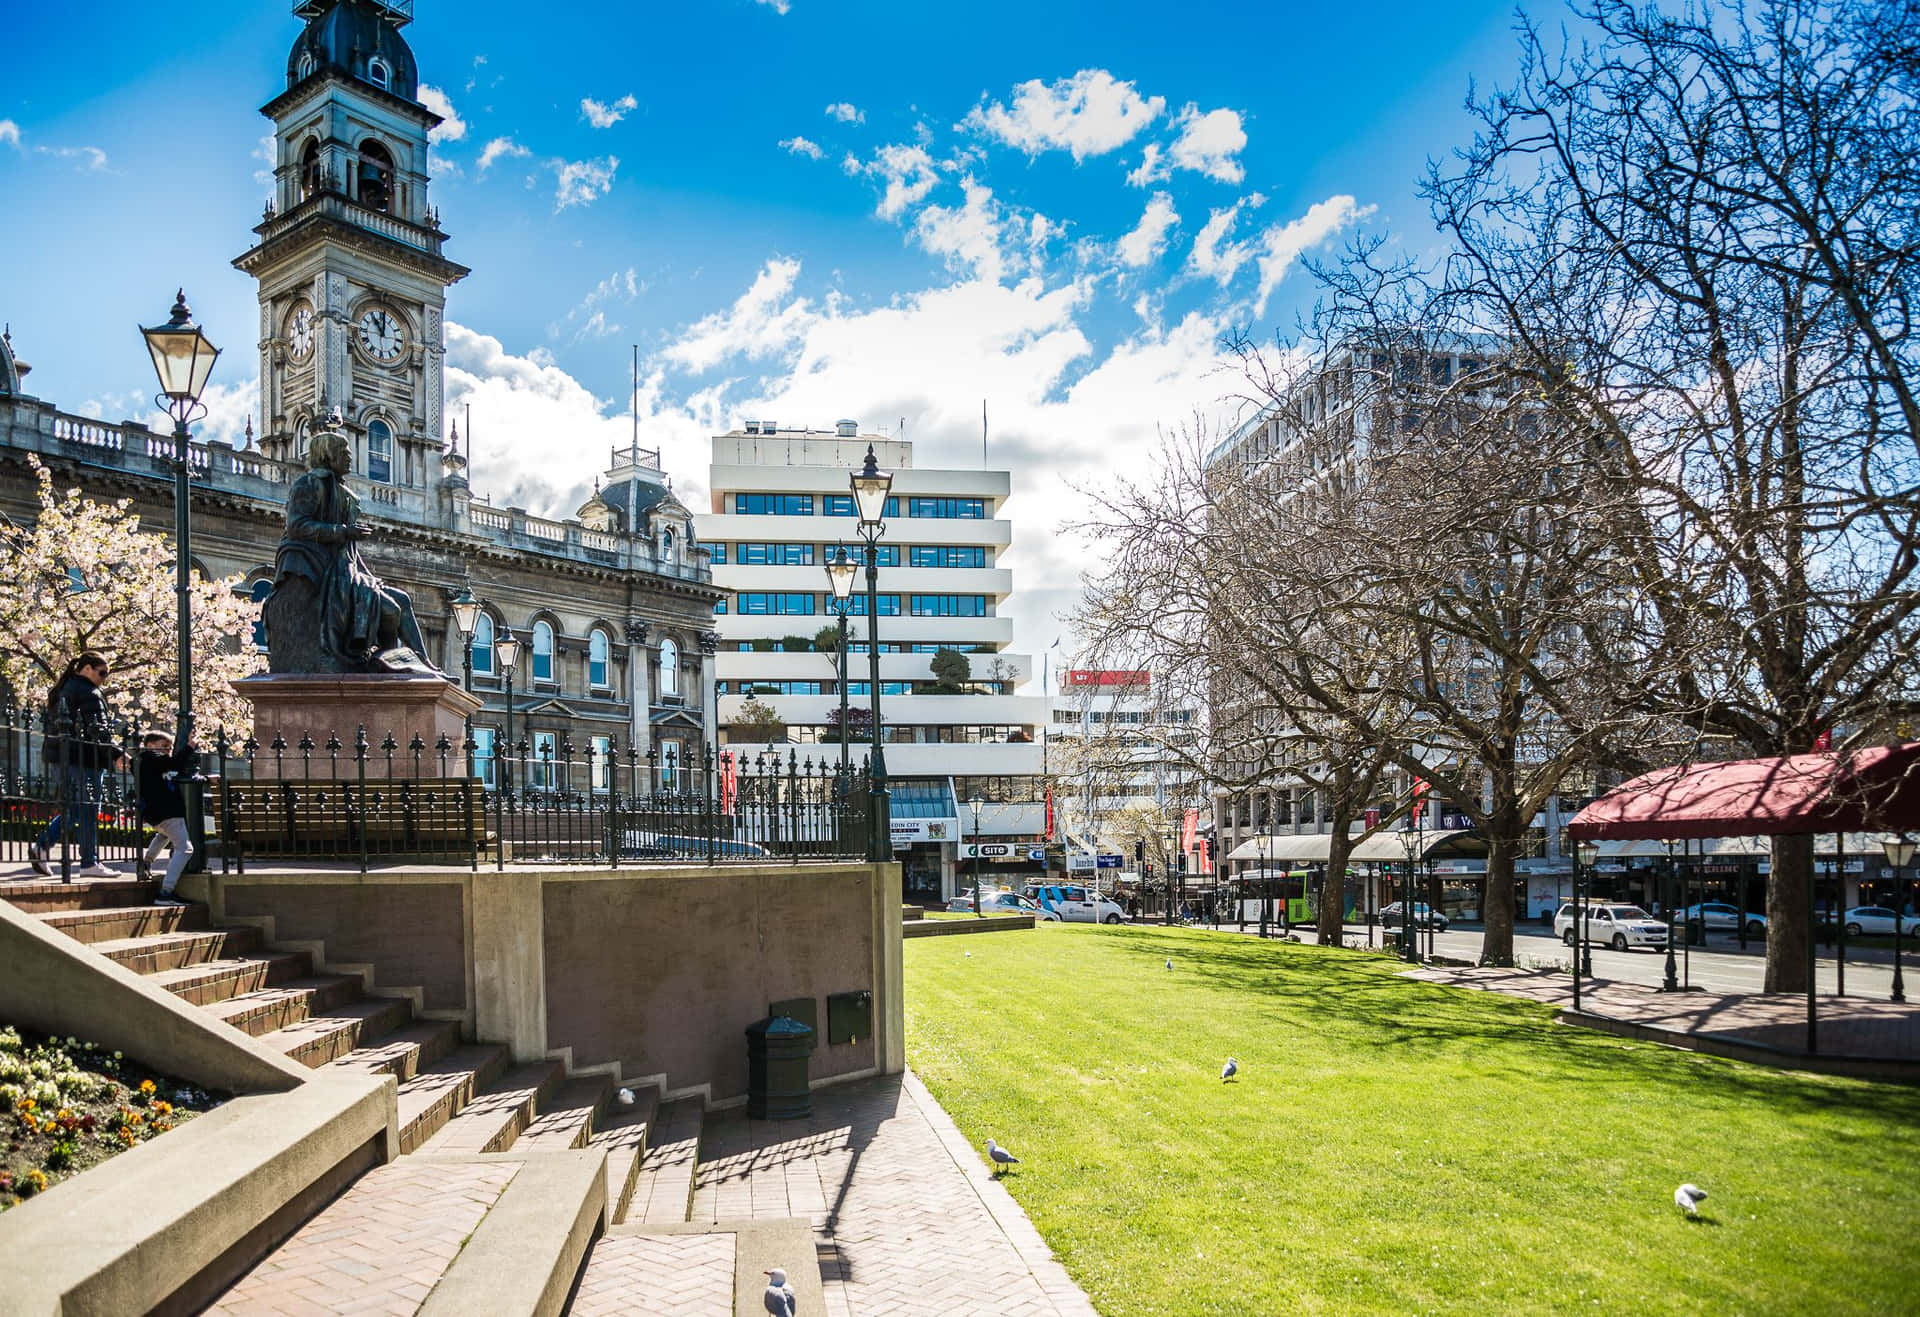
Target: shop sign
[1109, 862]
[908, 831]
[1003, 852]
[1459, 867]
[1078, 863]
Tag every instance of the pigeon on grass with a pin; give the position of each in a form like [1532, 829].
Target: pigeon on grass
[1687, 1198]
[1000, 1157]
[779, 1296]
[1229, 1070]
[1169, 962]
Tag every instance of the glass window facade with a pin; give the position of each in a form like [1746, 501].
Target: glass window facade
[782, 555]
[542, 652]
[889, 605]
[841, 505]
[950, 605]
[760, 603]
[599, 664]
[971, 509]
[948, 555]
[774, 505]
[886, 688]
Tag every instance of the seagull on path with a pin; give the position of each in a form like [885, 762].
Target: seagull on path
[1000, 1157]
[1229, 1070]
[1687, 1197]
[779, 1297]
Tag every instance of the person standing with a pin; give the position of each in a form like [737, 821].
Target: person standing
[80, 749]
[163, 805]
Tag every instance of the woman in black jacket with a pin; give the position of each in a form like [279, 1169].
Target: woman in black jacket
[79, 747]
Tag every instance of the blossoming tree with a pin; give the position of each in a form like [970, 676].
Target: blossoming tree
[85, 576]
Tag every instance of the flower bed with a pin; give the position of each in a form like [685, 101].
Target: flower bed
[66, 1105]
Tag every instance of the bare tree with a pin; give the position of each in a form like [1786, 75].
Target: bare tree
[1696, 235]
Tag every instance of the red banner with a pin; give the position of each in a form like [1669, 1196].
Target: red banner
[1108, 677]
[1049, 833]
[1188, 827]
[729, 782]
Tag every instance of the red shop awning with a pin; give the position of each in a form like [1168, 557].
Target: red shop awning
[1877, 789]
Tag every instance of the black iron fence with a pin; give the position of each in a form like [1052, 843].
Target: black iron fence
[366, 801]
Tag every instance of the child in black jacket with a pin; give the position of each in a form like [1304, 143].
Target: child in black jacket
[163, 804]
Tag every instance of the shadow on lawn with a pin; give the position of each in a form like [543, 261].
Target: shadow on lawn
[1375, 1007]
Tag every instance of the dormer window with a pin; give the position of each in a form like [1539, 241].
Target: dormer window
[378, 73]
[376, 177]
[306, 66]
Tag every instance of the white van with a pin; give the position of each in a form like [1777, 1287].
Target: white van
[1075, 904]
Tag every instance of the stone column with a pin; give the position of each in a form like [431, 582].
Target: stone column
[709, 696]
[638, 679]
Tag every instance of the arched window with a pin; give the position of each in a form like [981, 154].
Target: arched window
[258, 592]
[306, 64]
[669, 669]
[542, 652]
[380, 452]
[378, 73]
[666, 544]
[483, 646]
[376, 176]
[310, 170]
[599, 669]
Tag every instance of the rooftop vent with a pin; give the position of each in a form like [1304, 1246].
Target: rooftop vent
[846, 429]
[753, 427]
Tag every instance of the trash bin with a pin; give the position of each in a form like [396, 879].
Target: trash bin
[777, 1052]
[1696, 932]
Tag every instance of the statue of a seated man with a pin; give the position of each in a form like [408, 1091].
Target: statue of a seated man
[328, 611]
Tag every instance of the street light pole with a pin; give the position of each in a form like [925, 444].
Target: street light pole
[1584, 855]
[1900, 856]
[507, 650]
[840, 573]
[975, 803]
[870, 486]
[466, 616]
[1671, 982]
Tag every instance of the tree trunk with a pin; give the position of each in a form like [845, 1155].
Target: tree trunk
[1787, 957]
[1496, 945]
[1333, 888]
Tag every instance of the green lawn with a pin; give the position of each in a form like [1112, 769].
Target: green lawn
[1395, 1146]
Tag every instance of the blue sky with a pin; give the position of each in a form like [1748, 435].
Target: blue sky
[802, 211]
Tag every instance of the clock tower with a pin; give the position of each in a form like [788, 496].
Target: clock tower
[352, 282]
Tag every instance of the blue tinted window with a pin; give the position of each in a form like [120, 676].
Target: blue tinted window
[777, 603]
[949, 555]
[841, 505]
[889, 605]
[969, 508]
[785, 555]
[774, 505]
[950, 605]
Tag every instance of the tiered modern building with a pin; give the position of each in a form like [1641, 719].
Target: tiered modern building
[781, 506]
[613, 608]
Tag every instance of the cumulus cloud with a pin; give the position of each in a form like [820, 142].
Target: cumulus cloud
[968, 236]
[1208, 144]
[87, 159]
[590, 315]
[1281, 245]
[1152, 168]
[777, 6]
[1090, 113]
[846, 112]
[1149, 237]
[909, 174]
[263, 151]
[802, 146]
[501, 148]
[582, 182]
[10, 133]
[1213, 255]
[756, 325]
[451, 127]
[606, 116]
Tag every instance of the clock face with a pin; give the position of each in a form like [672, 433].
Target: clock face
[381, 336]
[300, 331]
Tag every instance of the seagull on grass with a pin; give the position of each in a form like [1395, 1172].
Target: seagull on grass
[1687, 1198]
[1229, 1070]
[1000, 1157]
[779, 1296]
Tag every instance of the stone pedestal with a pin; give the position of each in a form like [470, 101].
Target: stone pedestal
[291, 706]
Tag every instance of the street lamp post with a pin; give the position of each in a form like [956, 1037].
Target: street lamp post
[974, 804]
[183, 359]
[841, 570]
[1409, 940]
[870, 485]
[1900, 856]
[1263, 882]
[507, 651]
[1671, 981]
[466, 616]
[1585, 853]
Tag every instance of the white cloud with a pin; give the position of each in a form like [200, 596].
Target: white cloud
[1090, 113]
[501, 148]
[1213, 256]
[619, 287]
[451, 127]
[778, 6]
[263, 151]
[440, 166]
[606, 116]
[969, 236]
[1153, 167]
[1149, 236]
[756, 325]
[802, 146]
[1281, 245]
[87, 159]
[846, 112]
[1208, 144]
[581, 182]
[10, 133]
[909, 173]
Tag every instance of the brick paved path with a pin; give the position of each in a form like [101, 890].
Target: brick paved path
[907, 1219]
[658, 1276]
[378, 1248]
[1849, 1026]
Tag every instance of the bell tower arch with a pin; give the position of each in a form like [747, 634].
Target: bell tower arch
[352, 282]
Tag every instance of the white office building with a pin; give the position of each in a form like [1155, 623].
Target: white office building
[1122, 754]
[781, 506]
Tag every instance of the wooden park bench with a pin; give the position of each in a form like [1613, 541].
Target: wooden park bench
[436, 817]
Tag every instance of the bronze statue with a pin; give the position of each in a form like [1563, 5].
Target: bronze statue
[328, 611]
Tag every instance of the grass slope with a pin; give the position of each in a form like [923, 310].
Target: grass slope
[1395, 1146]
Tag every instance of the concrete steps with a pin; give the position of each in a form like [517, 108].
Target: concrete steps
[404, 1053]
[118, 922]
[432, 1097]
[663, 1193]
[212, 981]
[161, 951]
[569, 1117]
[264, 1010]
[624, 1140]
[47, 895]
[496, 1116]
[322, 1038]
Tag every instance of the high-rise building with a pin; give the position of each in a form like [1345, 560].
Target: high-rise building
[781, 506]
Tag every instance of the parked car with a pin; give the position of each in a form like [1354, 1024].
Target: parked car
[1075, 904]
[1002, 902]
[1622, 927]
[1878, 921]
[1718, 914]
[1423, 916]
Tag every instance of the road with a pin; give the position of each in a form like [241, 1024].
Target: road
[1719, 967]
